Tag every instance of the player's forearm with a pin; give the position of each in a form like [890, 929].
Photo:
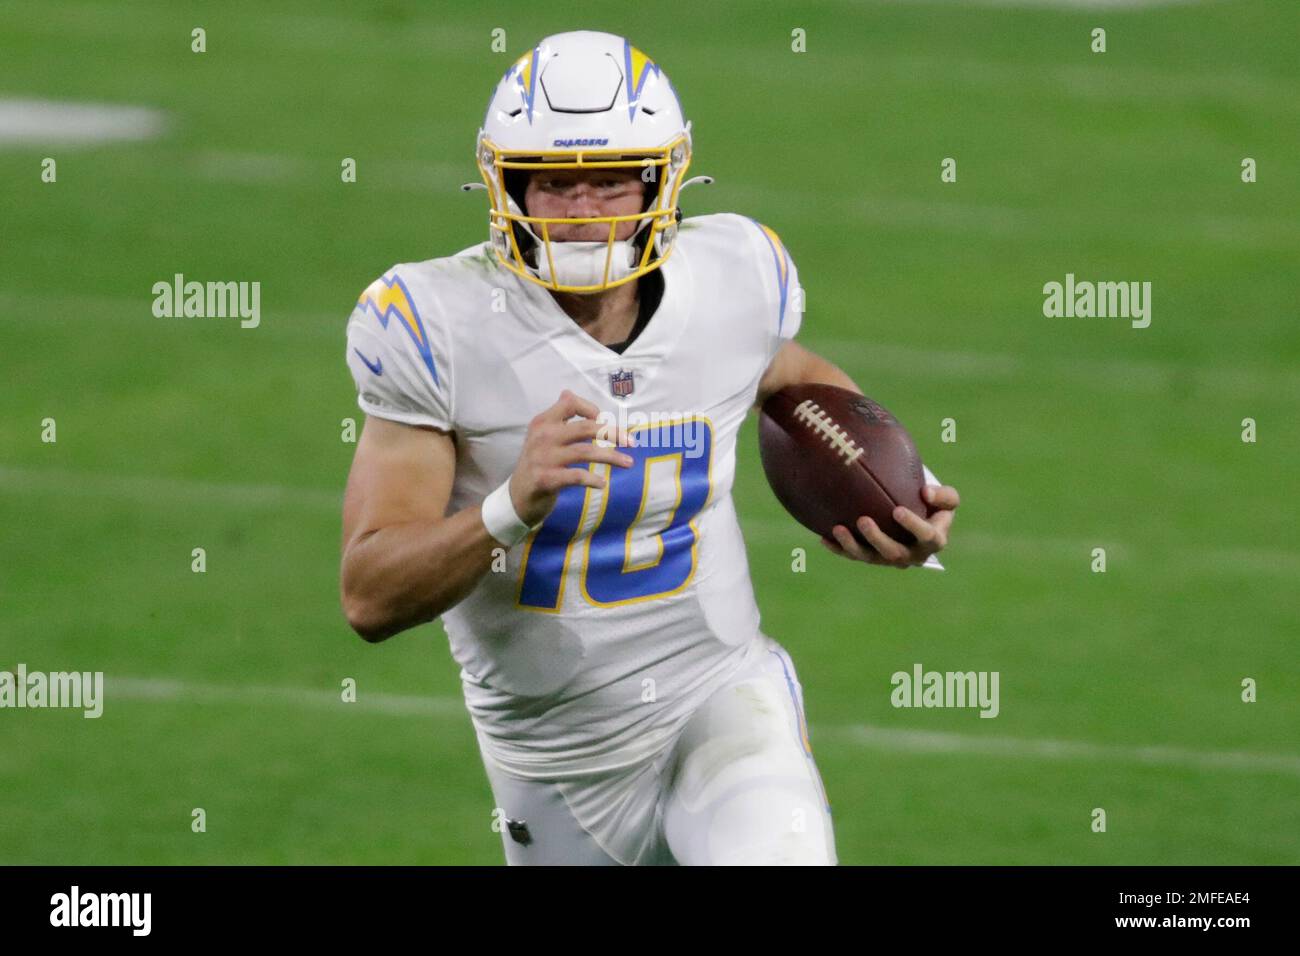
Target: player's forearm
[796, 365]
[397, 577]
[819, 371]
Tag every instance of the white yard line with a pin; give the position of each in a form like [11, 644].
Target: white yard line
[1077, 4]
[145, 489]
[65, 123]
[137, 688]
[1058, 4]
[936, 742]
[921, 742]
[73, 310]
[313, 172]
[1111, 374]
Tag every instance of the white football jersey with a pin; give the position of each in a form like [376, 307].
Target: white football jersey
[618, 615]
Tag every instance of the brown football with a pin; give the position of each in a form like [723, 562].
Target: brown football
[832, 455]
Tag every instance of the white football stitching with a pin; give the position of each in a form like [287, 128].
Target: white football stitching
[811, 414]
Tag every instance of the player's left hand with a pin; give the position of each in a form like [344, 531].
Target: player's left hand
[931, 536]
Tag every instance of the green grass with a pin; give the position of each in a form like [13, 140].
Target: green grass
[1072, 434]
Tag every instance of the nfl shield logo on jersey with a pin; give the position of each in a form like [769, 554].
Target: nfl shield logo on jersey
[621, 383]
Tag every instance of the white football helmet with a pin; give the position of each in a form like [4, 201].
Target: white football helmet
[583, 100]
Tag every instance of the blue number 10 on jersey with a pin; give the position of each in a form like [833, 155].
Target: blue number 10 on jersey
[642, 543]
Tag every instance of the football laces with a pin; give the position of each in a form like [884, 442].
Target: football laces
[813, 416]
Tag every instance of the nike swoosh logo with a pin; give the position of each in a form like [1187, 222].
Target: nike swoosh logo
[377, 367]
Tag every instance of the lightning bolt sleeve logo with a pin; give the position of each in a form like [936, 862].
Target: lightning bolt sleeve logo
[388, 298]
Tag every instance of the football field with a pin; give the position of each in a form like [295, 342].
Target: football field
[1121, 690]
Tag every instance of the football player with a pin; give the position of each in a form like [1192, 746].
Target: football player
[596, 594]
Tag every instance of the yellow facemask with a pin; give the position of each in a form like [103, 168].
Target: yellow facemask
[656, 228]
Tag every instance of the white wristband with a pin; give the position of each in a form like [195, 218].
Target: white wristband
[501, 519]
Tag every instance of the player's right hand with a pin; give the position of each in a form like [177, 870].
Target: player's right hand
[552, 444]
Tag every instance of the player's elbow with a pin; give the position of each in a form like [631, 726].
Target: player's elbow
[367, 612]
[366, 618]
[379, 602]
[376, 617]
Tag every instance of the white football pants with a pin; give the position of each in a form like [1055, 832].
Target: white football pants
[737, 787]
